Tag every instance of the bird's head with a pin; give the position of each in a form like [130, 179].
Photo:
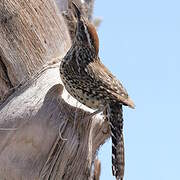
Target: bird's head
[85, 31]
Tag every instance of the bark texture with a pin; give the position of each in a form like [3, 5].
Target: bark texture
[44, 132]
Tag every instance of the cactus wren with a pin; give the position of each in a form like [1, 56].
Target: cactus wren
[91, 83]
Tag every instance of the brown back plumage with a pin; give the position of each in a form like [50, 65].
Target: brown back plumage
[94, 37]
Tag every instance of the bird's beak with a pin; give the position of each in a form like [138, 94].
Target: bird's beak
[77, 11]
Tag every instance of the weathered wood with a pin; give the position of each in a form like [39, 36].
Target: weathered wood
[43, 131]
[31, 35]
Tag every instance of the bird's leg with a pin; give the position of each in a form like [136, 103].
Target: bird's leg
[93, 114]
[101, 109]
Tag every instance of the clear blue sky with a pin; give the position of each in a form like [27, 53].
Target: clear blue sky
[140, 44]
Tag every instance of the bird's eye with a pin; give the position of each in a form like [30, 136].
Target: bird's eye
[82, 27]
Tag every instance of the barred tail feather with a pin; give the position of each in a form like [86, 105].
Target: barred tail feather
[116, 124]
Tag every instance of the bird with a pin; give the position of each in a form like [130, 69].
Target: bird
[91, 83]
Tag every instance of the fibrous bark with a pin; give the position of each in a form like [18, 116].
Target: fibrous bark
[44, 132]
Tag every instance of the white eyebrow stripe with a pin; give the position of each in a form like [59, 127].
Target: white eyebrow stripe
[88, 36]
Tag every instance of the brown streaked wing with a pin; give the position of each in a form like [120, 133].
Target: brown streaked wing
[110, 83]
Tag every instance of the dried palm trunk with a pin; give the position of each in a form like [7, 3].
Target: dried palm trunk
[43, 131]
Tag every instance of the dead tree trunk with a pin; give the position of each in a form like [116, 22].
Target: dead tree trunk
[43, 132]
